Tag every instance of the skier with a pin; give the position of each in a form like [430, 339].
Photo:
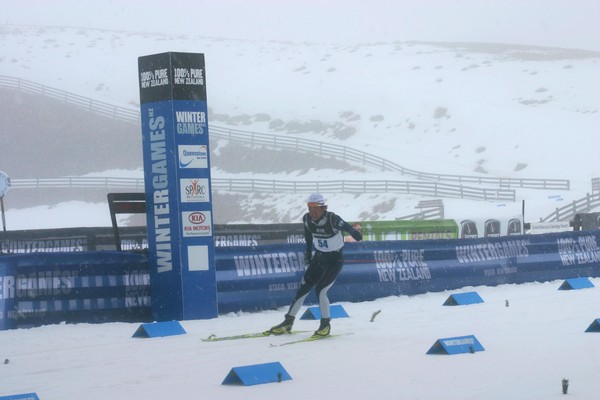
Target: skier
[323, 230]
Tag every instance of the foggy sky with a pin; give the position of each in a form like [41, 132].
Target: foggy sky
[554, 23]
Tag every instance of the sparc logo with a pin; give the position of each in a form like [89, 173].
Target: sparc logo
[196, 223]
[194, 190]
[193, 156]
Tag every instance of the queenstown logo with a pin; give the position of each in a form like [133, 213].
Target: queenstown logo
[193, 156]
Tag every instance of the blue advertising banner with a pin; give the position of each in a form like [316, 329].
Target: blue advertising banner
[43, 288]
[8, 271]
[268, 276]
[177, 185]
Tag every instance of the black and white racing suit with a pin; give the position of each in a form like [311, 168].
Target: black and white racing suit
[326, 262]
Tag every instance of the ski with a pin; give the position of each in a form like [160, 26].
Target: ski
[308, 339]
[215, 338]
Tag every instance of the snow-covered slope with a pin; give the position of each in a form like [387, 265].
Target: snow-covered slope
[473, 106]
[469, 107]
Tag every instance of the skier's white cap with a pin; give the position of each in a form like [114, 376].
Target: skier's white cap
[316, 200]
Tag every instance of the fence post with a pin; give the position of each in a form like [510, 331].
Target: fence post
[588, 201]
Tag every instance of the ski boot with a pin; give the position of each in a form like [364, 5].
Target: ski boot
[324, 328]
[284, 327]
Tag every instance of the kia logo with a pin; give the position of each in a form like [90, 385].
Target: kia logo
[196, 218]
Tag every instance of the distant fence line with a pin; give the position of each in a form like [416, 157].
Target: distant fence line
[77, 182]
[352, 155]
[567, 213]
[434, 189]
[434, 213]
[430, 209]
[84, 103]
[261, 139]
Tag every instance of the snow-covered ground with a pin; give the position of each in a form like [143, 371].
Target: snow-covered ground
[530, 346]
[452, 106]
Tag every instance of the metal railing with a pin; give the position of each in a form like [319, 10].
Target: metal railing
[567, 213]
[84, 103]
[261, 139]
[432, 213]
[430, 189]
[430, 209]
[351, 155]
[78, 182]
[434, 189]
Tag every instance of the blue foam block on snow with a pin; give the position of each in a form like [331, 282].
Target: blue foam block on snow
[576, 283]
[24, 396]
[460, 299]
[456, 345]
[157, 329]
[594, 326]
[257, 374]
[336, 311]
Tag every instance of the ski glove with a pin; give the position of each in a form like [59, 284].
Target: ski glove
[308, 257]
[356, 235]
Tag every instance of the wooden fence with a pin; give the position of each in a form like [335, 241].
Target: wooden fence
[85, 103]
[78, 182]
[567, 213]
[433, 189]
[354, 156]
[279, 141]
[430, 189]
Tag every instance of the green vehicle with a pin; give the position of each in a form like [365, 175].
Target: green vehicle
[407, 230]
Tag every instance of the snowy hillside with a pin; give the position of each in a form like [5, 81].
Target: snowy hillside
[473, 106]
[503, 109]
[491, 88]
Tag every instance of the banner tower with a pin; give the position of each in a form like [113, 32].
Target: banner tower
[177, 185]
